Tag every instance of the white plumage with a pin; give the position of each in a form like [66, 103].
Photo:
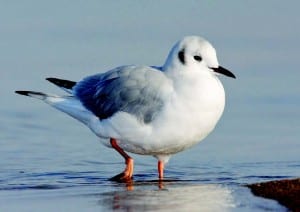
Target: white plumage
[156, 111]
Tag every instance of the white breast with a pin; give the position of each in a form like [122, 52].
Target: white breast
[188, 117]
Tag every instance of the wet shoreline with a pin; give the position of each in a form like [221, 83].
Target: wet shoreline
[286, 192]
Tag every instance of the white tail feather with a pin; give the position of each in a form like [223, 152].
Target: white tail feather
[67, 104]
[71, 106]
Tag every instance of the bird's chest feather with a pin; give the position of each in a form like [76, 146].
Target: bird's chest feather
[192, 113]
[188, 116]
[200, 99]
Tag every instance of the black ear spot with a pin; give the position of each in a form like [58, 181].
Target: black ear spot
[198, 58]
[181, 56]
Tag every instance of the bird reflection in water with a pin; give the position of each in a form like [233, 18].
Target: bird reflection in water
[167, 196]
[129, 184]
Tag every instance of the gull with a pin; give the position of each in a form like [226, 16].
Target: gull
[149, 110]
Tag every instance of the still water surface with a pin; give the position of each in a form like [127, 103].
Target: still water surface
[50, 162]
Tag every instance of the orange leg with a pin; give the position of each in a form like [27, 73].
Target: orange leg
[126, 175]
[160, 166]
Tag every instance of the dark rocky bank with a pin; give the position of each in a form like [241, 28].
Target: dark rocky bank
[286, 192]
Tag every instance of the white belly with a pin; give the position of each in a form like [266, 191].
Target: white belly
[186, 119]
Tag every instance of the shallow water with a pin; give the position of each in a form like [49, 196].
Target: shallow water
[206, 188]
[63, 167]
[50, 162]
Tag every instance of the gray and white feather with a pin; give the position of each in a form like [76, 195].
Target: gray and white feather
[150, 110]
[137, 90]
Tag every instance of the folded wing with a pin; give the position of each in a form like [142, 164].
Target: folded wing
[138, 90]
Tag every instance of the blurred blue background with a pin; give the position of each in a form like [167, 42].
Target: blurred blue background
[257, 40]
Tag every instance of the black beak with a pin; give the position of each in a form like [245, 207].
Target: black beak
[224, 71]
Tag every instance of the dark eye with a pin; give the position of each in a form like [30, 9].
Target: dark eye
[198, 58]
[181, 56]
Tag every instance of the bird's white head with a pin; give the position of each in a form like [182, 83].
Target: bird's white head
[194, 53]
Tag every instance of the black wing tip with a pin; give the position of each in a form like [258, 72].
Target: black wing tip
[53, 80]
[61, 82]
[50, 79]
[29, 93]
[25, 93]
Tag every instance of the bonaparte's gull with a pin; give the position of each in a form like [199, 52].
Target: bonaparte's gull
[149, 110]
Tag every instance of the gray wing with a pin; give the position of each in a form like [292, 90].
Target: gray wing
[138, 90]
